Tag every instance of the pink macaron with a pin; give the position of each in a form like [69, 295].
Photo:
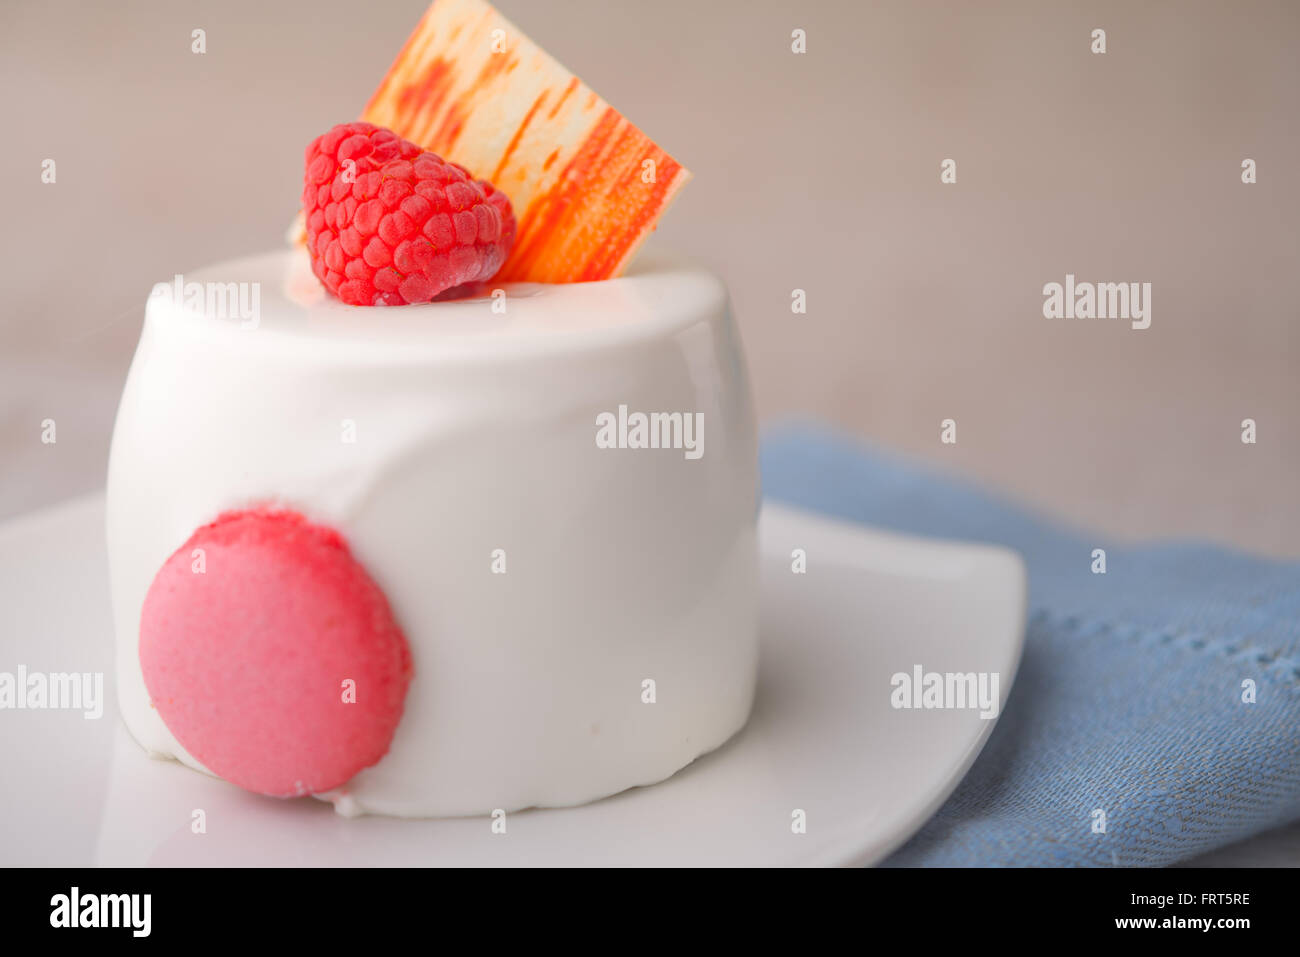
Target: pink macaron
[272, 655]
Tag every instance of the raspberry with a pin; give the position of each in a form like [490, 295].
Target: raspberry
[389, 223]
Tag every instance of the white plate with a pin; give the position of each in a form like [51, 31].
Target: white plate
[823, 738]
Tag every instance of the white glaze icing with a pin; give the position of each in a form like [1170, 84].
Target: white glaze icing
[474, 431]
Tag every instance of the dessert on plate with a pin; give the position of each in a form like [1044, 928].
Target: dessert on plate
[463, 517]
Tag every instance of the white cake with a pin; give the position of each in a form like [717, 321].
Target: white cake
[446, 442]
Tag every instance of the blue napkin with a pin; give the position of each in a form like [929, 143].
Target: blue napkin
[1129, 699]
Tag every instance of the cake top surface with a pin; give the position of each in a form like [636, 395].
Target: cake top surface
[274, 301]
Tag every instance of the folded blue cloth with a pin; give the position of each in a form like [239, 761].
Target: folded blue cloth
[1130, 694]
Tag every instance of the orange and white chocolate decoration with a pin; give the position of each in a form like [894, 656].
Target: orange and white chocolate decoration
[587, 186]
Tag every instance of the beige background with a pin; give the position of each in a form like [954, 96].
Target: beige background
[818, 171]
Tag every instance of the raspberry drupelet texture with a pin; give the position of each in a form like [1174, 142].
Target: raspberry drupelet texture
[389, 223]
